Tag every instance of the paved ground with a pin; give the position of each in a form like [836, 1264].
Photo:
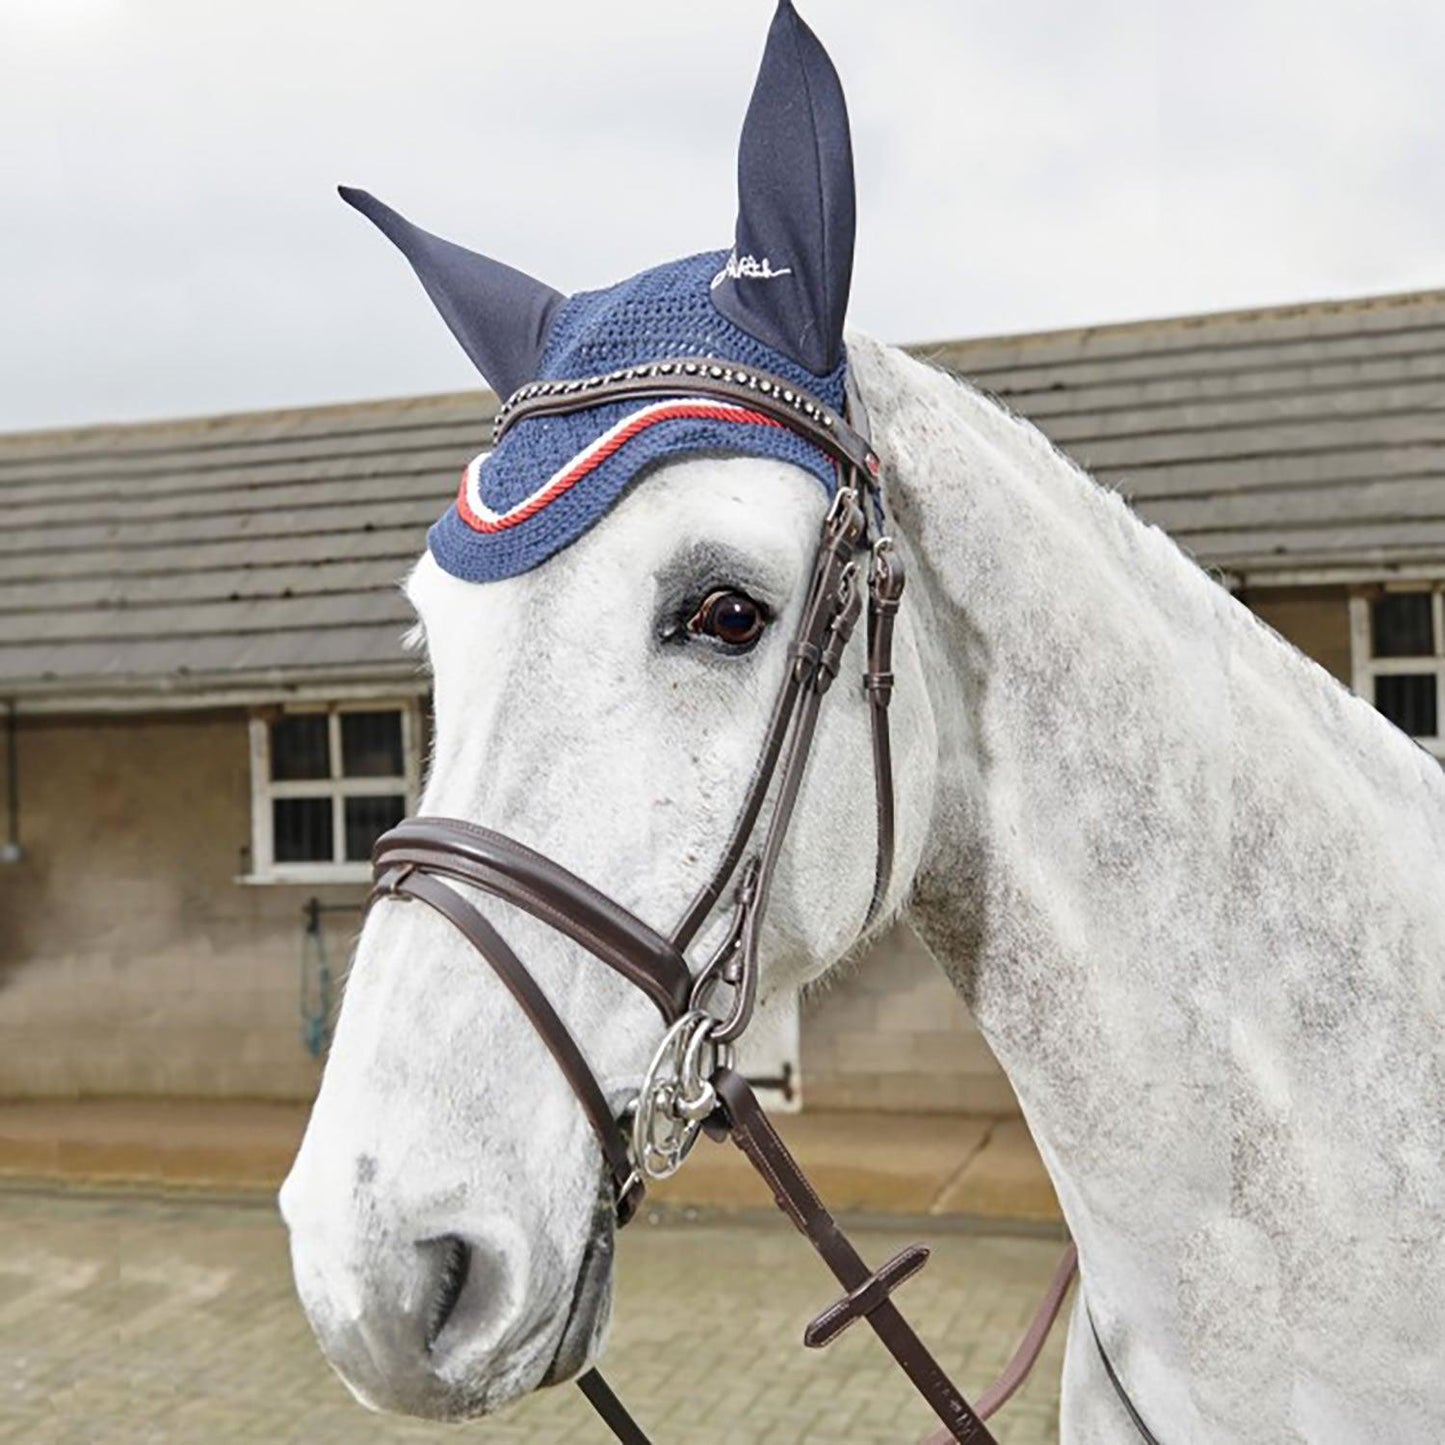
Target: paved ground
[125, 1321]
[943, 1164]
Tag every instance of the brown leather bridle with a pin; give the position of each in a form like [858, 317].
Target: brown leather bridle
[692, 1084]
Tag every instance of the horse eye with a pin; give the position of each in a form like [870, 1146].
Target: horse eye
[733, 618]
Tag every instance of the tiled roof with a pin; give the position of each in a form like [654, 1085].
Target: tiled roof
[257, 550]
[262, 551]
[1283, 442]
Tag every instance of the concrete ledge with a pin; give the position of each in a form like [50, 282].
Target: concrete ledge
[150, 1143]
[1004, 1179]
[878, 1164]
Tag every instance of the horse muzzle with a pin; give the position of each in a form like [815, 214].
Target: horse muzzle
[449, 1323]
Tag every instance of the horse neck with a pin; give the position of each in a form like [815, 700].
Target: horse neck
[1157, 834]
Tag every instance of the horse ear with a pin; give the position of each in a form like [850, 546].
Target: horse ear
[500, 315]
[786, 281]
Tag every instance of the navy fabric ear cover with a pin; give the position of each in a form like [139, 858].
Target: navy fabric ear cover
[795, 203]
[785, 283]
[500, 315]
[774, 304]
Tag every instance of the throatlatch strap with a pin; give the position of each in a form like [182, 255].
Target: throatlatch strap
[1145, 1433]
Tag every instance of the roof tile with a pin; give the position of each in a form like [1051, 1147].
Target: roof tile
[189, 554]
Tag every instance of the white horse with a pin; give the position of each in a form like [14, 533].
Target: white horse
[1188, 885]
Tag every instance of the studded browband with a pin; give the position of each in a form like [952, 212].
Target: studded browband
[760, 391]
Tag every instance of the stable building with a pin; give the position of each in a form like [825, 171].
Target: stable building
[209, 711]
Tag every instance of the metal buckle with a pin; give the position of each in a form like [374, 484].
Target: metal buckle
[885, 573]
[846, 521]
[629, 1197]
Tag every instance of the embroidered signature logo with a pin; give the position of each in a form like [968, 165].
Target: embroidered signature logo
[749, 268]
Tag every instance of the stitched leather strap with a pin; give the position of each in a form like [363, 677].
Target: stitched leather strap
[843, 530]
[415, 883]
[1026, 1353]
[902, 1266]
[516, 874]
[862, 1301]
[885, 595]
[753, 1133]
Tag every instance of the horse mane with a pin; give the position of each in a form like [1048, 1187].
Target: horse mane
[1189, 886]
[919, 409]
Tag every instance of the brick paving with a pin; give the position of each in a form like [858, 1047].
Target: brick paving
[127, 1321]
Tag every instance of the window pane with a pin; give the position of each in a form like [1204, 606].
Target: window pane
[1400, 625]
[367, 819]
[299, 747]
[301, 830]
[1409, 702]
[371, 744]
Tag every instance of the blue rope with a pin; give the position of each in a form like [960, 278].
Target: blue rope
[316, 997]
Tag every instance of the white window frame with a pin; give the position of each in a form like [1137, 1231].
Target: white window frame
[1366, 667]
[265, 790]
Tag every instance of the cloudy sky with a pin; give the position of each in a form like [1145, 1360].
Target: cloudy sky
[170, 240]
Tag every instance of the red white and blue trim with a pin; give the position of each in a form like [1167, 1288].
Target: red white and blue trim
[481, 518]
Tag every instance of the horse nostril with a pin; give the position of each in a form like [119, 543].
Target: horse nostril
[452, 1258]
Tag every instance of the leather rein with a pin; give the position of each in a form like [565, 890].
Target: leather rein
[691, 1085]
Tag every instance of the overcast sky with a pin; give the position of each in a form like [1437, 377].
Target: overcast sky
[171, 242]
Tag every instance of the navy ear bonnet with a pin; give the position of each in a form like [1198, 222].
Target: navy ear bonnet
[775, 303]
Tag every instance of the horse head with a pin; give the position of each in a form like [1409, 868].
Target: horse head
[607, 611]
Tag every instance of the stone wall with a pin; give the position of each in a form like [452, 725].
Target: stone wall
[131, 960]
[892, 1034]
[1315, 619]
